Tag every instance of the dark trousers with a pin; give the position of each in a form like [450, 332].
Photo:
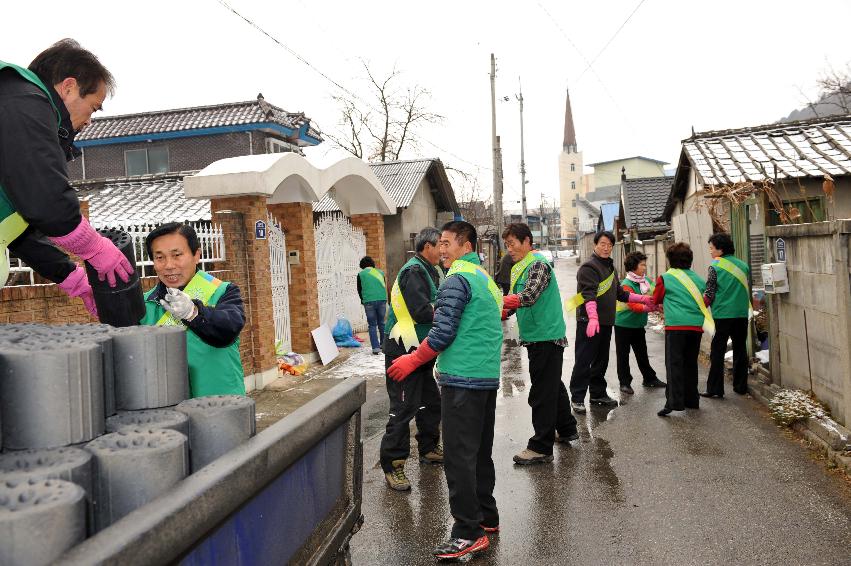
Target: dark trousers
[468, 420]
[592, 360]
[681, 350]
[626, 338]
[737, 329]
[375, 313]
[548, 397]
[415, 398]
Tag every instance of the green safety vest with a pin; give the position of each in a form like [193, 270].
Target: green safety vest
[626, 318]
[476, 350]
[732, 297]
[372, 286]
[400, 325]
[212, 370]
[12, 224]
[543, 321]
[681, 308]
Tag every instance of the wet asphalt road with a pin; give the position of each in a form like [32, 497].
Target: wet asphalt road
[721, 485]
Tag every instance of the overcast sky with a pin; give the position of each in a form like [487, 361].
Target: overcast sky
[673, 66]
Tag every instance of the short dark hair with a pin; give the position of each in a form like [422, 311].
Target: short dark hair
[606, 234]
[722, 241]
[680, 256]
[366, 261]
[66, 58]
[428, 235]
[632, 259]
[519, 230]
[464, 232]
[185, 230]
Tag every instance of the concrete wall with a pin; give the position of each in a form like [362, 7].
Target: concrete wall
[398, 228]
[810, 327]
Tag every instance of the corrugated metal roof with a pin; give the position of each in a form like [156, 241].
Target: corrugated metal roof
[805, 149]
[180, 119]
[401, 179]
[644, 200]
[150, 199]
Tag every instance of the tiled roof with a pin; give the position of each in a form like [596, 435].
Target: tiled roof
[149, 199]
[401, 179]
[218, 115]
[802, 149]
[644, 201]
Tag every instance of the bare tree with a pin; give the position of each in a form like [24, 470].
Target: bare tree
[474, 203]
[834, 95]
[380, 128]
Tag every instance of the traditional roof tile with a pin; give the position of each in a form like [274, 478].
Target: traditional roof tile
[644, 201]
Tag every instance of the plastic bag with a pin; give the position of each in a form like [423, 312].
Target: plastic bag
[343, 335]
[292, 363]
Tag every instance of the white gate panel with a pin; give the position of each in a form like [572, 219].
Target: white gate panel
[339, 249]
[279, 268]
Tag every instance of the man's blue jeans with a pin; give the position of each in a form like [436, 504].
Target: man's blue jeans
[375, 312]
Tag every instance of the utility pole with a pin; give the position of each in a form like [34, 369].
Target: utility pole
[522, 159]
[497, 160]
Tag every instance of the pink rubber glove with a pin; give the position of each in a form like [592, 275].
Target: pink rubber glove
[649, 307]
[643, 299]
[100, 252]
[593, 322]
[404, 365]
[77, 285]
[511, 302]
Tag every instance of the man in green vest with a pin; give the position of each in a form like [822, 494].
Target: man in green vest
[533, 292]
[42, 107]
[372, 290]
[728, 294]
[466, 339]
[209, 309]
[416, 397]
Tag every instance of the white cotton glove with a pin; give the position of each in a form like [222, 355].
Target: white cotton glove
[179, 304]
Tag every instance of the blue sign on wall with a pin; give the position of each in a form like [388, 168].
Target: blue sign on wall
[780, 250]
[259, 230]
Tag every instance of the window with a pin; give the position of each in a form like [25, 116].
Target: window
[573, 167]
[573, 185]
[279, 146]
[146, 161]
[802, 210]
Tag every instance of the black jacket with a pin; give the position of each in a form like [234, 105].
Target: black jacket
[413, 283]
[33, 172]
[588, 278]
[218, 326]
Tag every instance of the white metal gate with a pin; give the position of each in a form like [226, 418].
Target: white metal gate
[279, 268]
[339, 249]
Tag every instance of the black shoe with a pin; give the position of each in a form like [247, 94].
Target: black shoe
[578, 408]
[605, 401]
[711, 395]
[455, 548]
[664, 412]
[692, 406]
[627, 389]
[567, 438]
[742, 391]
[655, 383]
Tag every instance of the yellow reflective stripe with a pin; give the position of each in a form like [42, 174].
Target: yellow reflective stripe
[577, 300]
[461, 266]
[374, 272]
[10, 228]
[404, 329]
[202, 286]
[736, 272]
[518, 269]
[685, 281]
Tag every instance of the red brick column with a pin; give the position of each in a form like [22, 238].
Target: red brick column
[248, 259]
[296, 220]
[372, 225]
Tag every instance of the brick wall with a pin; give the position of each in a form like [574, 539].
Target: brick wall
[373, 228]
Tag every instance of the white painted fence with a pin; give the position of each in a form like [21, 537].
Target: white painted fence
[339, 249]
[279, 268]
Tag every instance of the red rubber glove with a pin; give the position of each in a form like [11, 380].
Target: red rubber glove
[511, 302]
[504, 314]
[77, 285]
[100, 252]
[593, 322]
[404, 365]
[643, 299]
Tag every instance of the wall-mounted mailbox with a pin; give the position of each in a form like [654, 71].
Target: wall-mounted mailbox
[293, 258]
[774, 278]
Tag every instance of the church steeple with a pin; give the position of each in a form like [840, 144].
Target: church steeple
[569, 144]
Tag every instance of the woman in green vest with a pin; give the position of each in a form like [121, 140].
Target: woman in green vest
[210, 310]
[372, 289]
[630, 320]
[680, 291]
[728, 293]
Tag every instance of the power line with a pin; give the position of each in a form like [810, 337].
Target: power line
[611, 39]
[337, 84]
